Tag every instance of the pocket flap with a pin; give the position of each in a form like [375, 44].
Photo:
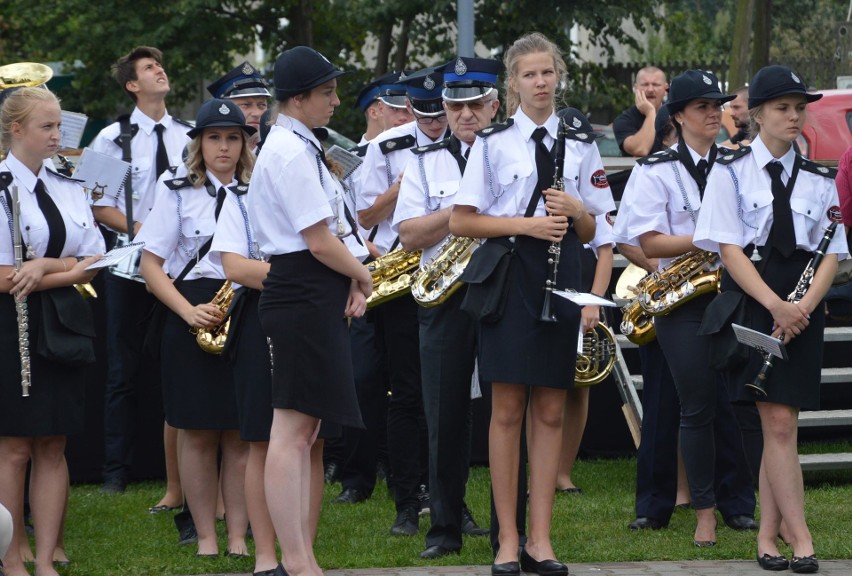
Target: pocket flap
[719, 312]
[72, 310]
[483, 262]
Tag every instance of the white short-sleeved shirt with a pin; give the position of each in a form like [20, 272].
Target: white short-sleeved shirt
[660, 197]
[603, 233]
[181, 221]
[738, 203]
[143, 151]
[501, 174]
[291, 189]
[380, 170]
[233, 229]
[82, 237]
[430, 182]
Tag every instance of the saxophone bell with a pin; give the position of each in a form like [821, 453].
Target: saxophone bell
[212, 340]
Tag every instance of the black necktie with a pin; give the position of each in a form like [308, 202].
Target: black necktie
[55, 224]
[467, 153]
[543, 161]
[702, 167]
[162, 153]
[220, 200]
[784, 236]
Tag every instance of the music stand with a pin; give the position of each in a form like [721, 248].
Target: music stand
[763, 343]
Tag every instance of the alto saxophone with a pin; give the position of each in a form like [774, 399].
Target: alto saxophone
[392, 275]
[21, 303]
[685, 278]
[438, 279]
[212, 340]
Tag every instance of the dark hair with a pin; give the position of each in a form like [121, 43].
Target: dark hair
[124, 69]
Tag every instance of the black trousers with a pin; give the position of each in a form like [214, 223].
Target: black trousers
[447, 356]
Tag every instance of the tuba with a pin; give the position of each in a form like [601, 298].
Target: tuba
[438, 279]
[212, 340]
[392, 275]
[24, 75]
[598, 357]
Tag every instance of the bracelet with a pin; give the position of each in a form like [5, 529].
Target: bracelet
[64, 265]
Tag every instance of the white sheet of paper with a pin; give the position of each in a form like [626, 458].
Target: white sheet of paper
[100, 173]
[71, 132]
[116, 255]
[760, 341]
[347, 159]
[584, 298]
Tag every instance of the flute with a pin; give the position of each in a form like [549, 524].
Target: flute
[21, 303]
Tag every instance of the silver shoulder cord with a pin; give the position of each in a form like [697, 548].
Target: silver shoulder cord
[683, 193]
[755, 255]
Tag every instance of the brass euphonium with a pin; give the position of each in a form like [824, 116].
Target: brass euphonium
[598, 357]
[438, 279]
[212, 340]
[392, 275]
[24, 74]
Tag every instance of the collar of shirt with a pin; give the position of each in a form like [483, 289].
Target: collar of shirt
[298, 127]
[421, 138]
[527, 126]
[695, 155]
[215, 181]
[762, 156]
[22, 174]
[363, 140]
[146, 123]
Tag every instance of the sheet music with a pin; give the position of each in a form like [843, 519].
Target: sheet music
[101, 174]
[116, 255]
[758, 340]
[348, 160]
[71, 131]
[584, 298]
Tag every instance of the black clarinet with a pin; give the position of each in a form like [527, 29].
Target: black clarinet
[555, 249]
[758, 387]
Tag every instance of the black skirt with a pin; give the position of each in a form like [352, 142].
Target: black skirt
[795, 381]
[56, 404]
[198, 387]
[301, 310]
[520, 348]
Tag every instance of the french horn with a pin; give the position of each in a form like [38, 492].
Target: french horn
[598, 357]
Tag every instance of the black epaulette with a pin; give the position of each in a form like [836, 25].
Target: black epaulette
[360, 151]
[445, 143]
[134, 128]
[178, 183]
[666, 155]
[722, 151]
[238, 189]
[586, 137]
[183, 122]
[732, 155]
[494, 128]
[6, 179]
[819, 169]
[400, 143]
[578, 126]
[63, 176]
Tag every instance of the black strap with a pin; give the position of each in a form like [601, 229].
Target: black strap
[125, 136]
[55, 224]
[220, 200]
[352, 223]
[784, 239]
[455, 150]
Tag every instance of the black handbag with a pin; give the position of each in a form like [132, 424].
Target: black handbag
[67, 329]
[726, 352]
[487, 279]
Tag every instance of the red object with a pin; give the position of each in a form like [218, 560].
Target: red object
[828, 128]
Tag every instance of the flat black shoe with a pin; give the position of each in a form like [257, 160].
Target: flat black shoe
[506, 569]
[407, 523]
[280, 571]
[741, 522]
[270, 572]
[350, 496]
[804, 564]
[469, 527]
[774, 563]
[436, 551]
[646, 523]
[542, 567]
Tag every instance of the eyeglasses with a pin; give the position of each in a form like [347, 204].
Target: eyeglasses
[474, 106]
[429, 120]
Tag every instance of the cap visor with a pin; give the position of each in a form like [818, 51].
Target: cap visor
[249, 130]
[465, 93]
[394, 101]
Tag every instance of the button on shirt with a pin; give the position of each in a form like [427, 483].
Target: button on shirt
[504, 186]
[143, 150]
[178, 240]
[729, 218]
[654, 202]
[82, 237]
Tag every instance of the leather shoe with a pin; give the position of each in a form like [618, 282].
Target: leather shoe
[804, 564]
[436, 551]
[469, 527]
[741, 522]
[350, 496]
[645, 522]
[774, 563]
[506, 569]
[407, 523]
[542, 567]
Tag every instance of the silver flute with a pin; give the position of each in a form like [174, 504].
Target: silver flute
[21, 303]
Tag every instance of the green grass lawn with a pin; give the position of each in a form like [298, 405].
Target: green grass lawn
[115, 535]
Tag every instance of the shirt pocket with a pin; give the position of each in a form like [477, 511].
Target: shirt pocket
[512, 175]
[756, 200]
[198, 228]
[807, 208]
[440, 189]
[140, 170]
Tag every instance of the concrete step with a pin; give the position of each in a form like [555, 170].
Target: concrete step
[829, 376]
[825, 418]
[838, 461]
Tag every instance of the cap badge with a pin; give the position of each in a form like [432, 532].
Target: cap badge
[223, 109]
[795, 78]
[390, 144]
[248, 70]
[428, 83]
[582, 135]
[402, 76]
[707, 80]
[576, 122]
[461, 68]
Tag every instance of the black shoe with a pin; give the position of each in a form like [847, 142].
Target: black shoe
[741, 522]
[506, 569]
[469, 526]
[423, 497]
[331, 473]
[407, 523]
[804, 564]
[350, 496]
[644, 523]
[186, 528]
[436, 551]
[542, 567]
[114, 486]
[774, 563]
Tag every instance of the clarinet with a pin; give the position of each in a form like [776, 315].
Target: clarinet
[21, 303]
[555, 249]
[758, 386]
